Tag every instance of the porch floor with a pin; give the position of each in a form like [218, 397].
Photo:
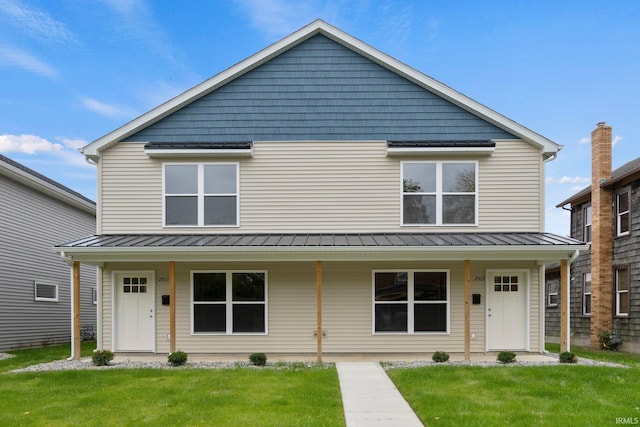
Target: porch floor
[330, 358]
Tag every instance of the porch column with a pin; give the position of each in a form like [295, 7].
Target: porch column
[319, 309]
[172, 306]
[76, 311]
[564, 306]
[467, 310]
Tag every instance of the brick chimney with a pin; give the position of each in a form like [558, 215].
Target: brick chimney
[601, 229]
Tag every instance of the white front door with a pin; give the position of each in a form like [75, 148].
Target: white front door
[135, 312]
[507, 311]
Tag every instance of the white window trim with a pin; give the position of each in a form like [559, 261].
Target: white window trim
[410, 301]
[584, 294]
[549, 303]
[94, 296]
[620, 292]
[228, 303]
[201, 195]
[439, 193]
[620, 214]
[35, 291]
[585, 224]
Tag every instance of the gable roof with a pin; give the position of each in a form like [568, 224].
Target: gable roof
[548, 147]
[618, 175]
[41, 183]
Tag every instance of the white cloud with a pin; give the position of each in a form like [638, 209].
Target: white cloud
[277, 18]
[585, 140]
[617, 139]
[107, 110]
[26, 61]
[569, 180]
[75, 144]
[35, 23]
[28, 144]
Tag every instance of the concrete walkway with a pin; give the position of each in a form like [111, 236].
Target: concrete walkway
[370, 398]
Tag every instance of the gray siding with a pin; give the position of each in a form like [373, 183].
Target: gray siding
[31, 223]
[319, 90]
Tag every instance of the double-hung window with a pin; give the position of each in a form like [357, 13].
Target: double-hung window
[229, 302]
[586, 217]
[552, 294]
[439, 193]
[622, 291]
[411, 301]
[201, 194]
[623, 215]
[586, 294]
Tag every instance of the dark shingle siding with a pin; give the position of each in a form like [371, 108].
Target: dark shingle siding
[320, 90]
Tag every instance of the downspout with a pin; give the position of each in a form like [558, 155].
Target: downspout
[69, 261]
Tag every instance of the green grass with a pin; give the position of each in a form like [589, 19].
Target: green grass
[34, 356]
[243, 396]
[629, 359]
[519, 395]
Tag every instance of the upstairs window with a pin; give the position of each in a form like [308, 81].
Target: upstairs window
[201, 195]
[586, 215]
[623, 215]
[439, 193]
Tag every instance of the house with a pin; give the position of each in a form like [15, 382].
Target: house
[35, 293]
[321, 197]
[605, 279]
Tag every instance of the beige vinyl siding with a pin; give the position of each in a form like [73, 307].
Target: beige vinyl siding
[510, 188]
[320, 187]
[347, 308]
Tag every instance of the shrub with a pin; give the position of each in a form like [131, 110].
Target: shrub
[506, 357]
[609, 340]
[258, 359]
[440, 356]
[568, 357]
[177, 358]
[101, 357]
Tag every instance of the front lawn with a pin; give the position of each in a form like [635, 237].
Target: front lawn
[520, 395]
[288, 396]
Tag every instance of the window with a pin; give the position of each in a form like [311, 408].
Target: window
[586, 294]
[552, 294]
[410, 301]
[586, 216]
[622, 213]
[94, 296]
[201, 195]
[229, 302]
[45, 292]
[622, 291]
[439, 193]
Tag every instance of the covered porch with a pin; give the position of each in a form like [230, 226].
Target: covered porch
[466, 256]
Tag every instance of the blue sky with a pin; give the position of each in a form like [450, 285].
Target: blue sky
[74, 70]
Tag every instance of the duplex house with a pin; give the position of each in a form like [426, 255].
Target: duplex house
[320, 197]
[605, 279]
[35, 293]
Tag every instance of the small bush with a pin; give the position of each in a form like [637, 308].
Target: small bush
[568, 357]
[177, 358]
[506, 357]
[440, 356]
[258, 359]
[101, 357]
[609, 340]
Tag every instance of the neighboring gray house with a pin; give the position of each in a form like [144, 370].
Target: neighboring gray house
[35, 214]
[605, 280]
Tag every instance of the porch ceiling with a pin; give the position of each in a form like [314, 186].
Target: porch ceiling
[539, 247]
